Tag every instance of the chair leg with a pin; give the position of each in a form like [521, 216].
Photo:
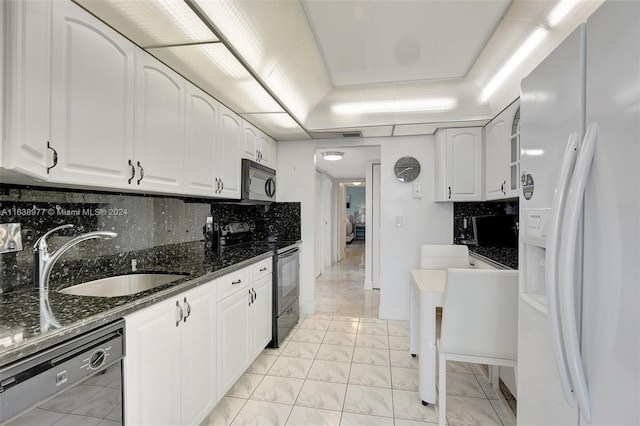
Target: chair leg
[442, 391]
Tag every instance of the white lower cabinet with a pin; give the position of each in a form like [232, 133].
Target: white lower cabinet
[244, 322]
[169, 367]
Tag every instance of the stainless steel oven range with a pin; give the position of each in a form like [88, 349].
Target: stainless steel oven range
[78, 381]
[286, 292]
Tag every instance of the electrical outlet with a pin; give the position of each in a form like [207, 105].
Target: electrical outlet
[417, 190]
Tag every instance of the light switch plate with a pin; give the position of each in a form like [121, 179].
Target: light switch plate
[10, 237]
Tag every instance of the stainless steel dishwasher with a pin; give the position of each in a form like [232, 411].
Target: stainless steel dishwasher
[78, 381]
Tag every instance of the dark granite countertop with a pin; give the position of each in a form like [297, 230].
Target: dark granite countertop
[505, 257]
[20, 333]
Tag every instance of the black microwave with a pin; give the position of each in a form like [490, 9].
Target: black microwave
[258, 183]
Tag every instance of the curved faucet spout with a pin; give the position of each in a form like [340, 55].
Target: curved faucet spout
[44, 262]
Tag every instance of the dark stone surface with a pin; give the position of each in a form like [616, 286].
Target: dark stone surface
[506, 256]
[163, 234]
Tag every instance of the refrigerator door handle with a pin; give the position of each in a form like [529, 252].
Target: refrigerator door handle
[551, 262]
[573, 213]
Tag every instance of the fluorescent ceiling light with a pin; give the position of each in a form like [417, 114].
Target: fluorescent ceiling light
[560, 11]
[259, 96]
[224, 60]
[516, 59]
[533, 152]
[332, 155]
[405, 105]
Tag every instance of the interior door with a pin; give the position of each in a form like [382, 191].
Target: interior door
[318, 226]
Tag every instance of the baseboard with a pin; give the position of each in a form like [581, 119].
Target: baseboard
[390, 313]
[307, 308]
[368, 285]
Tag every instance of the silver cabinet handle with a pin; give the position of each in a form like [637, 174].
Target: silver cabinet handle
[141, 173]
[181, 312]
[133, 172]
[263, 269]
[236, 282]
[250, 297]
[449, 192]
[188, 306]
[222, 182]
[255, 295]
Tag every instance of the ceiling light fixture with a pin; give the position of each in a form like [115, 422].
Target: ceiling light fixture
[516, 59]
[332, 155]
[404, 105]
[357, 183]
[560, 11]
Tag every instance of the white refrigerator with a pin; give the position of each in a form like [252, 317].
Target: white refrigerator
[579, 305]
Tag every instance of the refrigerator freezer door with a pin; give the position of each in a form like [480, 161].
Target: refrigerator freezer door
[611, 287]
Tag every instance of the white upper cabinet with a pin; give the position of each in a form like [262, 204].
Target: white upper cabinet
[227, 162]
[92, 100]
[159, 125]
[249, 141]
[201, 130]
[459, 164]
[502, 156]
[26, 27]
[265, 147]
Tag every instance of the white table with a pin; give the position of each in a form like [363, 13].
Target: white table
[427, 289]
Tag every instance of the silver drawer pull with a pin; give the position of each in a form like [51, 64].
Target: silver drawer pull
[263, 269]
[181, 313]
[236, 282]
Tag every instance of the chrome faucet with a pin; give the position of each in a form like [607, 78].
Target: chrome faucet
[43, 264]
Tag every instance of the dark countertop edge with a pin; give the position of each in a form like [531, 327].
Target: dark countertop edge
[489, 261]
[54, 337]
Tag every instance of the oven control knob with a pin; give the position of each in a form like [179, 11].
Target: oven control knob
[97, 359]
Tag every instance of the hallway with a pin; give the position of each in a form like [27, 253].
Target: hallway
[340, 288]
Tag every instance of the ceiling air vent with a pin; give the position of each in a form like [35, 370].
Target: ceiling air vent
[356, 134]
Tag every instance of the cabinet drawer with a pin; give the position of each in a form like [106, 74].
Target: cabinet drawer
[233, 282]
[261, 269]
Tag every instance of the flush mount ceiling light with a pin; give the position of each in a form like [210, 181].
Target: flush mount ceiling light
[357, 183]
[405, 105]
[332, 155]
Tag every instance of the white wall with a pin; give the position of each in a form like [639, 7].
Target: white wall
[424, 222]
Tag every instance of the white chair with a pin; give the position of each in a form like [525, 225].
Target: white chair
[479, 322]
[443, 256]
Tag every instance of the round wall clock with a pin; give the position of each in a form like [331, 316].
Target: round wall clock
[406, 169]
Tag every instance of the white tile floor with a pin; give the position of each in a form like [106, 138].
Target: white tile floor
[343, 366]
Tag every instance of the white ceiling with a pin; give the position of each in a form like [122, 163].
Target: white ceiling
[305, 68]
[352, 166]
[367, 42]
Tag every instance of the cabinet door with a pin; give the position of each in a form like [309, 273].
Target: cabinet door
[233, 345]
[152, 366]
[496, 159]
[92, 100]
[264, 149]
[197, 344]
[262, 314]
[26, 31]
[464, 164]
[249, 141]
[159, 128]
[229, 144]
[201, 123]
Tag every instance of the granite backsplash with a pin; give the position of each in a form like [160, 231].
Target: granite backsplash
[150, 228]
[507, 256]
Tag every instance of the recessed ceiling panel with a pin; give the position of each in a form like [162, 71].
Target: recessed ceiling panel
[366, 42]
[216, 71]
[152, 23]
[280, 126]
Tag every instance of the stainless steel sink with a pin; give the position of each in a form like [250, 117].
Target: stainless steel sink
[121, 285]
